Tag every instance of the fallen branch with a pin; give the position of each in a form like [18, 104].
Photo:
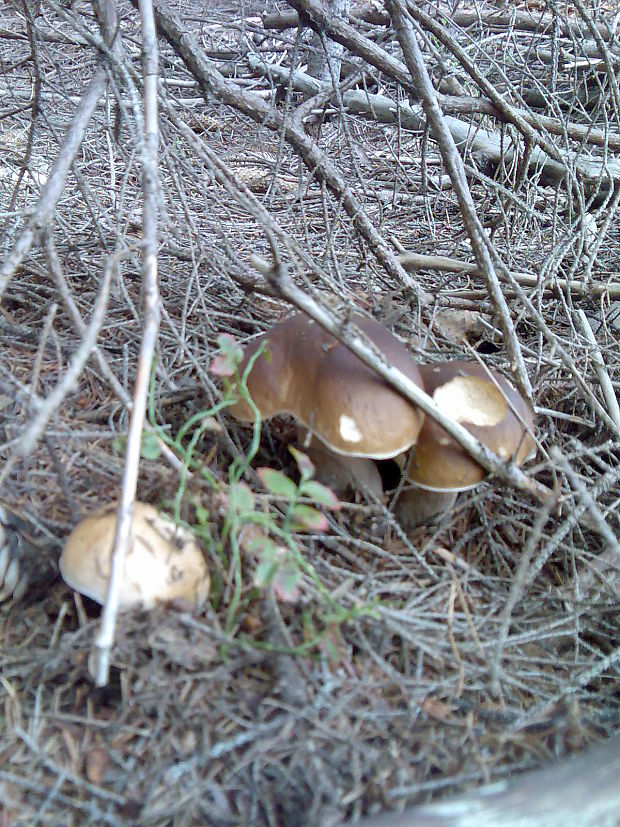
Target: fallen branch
[525, 21]
[279, 21]
[211, 82]
[517, 588]
[386, 110]
[506, 19]
[50, 405]
[584, 133]
[601, 371]
[543, 152]
[412, 262]
[43, 211]
[598, 171]
[588, 500]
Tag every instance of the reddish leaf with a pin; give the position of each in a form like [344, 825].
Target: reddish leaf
[286, 584]
[225, 363]
[305, 518]
[304, 463]
[321, 494]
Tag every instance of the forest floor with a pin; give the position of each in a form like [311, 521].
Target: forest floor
[390, 676]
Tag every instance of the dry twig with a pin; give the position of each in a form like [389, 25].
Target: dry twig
[105, 636]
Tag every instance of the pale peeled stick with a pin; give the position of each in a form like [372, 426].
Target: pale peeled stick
[163, 561]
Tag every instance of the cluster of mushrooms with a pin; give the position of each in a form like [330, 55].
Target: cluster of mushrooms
[350, 417]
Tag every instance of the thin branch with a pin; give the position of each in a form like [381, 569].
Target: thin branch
[98, 352]
[485, 141]
[456, 171]
[34, 431]
[412, 262]
[53, 188]
[315, 16]
[466, 104]
[508, 18]
[105, 637]
[601, 371]
[588, 500]
[519, 582]
[212, 82]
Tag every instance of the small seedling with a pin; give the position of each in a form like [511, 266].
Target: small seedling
[278, 565]
[269, 536]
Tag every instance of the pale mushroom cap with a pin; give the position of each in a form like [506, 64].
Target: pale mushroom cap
[310, 374]
[163, 561]
[464, 391]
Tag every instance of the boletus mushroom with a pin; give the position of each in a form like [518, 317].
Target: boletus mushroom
[163, 562]
[356, 415]
[485, 403]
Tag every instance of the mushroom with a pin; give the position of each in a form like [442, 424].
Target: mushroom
[490, 409]
[163, 562]
[306, 372]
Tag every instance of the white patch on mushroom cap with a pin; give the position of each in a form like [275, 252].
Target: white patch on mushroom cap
[473, 400]
[349, 430]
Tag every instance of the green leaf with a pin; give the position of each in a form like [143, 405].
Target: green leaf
[150, 447]
[304, 463]
[119, 443]
[286, 584]
[265, 572]
[265, 548]
[321, 494]
[277, 482]
[241, 498]
[305, 518]
[202, 514]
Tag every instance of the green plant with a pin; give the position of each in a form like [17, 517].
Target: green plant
[281, 565]
[271, 536]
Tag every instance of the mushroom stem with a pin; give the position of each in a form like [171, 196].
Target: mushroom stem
[417, 506]
[341, 473]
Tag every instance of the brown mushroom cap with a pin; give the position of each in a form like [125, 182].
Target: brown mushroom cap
[310, 374]
[163, 561]
[466, 393]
